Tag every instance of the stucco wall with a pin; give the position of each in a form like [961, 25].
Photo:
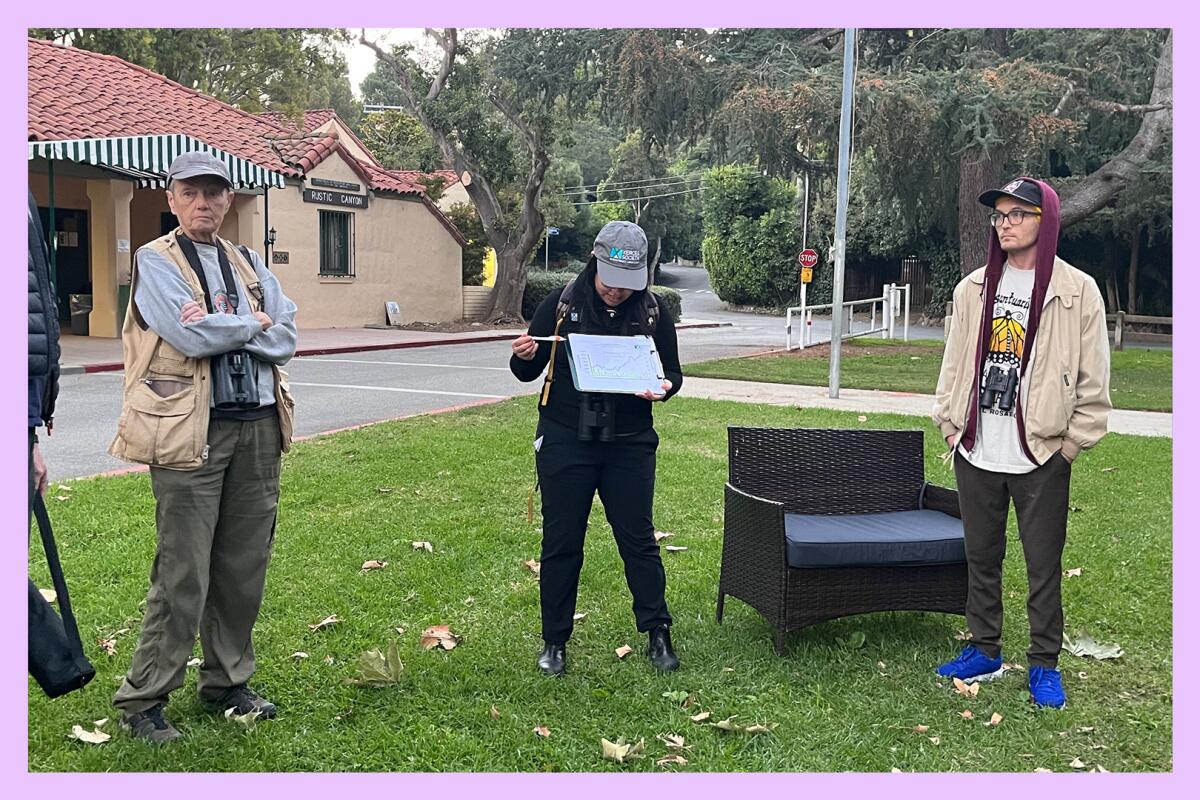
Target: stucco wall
[401, 252]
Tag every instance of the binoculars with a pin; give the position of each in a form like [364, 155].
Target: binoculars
[597, 415]
[235, 381]
[999, 388]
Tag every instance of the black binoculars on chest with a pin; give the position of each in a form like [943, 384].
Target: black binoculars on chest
[597, 415]
[235, 381]
[999, 388]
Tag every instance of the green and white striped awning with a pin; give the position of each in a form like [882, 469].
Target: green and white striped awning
[145, 159]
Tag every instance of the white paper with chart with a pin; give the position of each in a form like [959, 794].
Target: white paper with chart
[621, 364]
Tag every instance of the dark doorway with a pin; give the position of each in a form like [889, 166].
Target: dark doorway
[73, 274]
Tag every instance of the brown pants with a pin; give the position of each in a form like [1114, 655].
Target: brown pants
[1041, 499]
[216, 527]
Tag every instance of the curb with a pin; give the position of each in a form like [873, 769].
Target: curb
[115, 366]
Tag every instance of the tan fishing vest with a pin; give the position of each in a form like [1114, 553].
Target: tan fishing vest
[172, 431]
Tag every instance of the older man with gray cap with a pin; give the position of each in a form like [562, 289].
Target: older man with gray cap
[599, 442]
[207, 407]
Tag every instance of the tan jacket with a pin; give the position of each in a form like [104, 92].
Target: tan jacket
[1067, 404]
[172, 431]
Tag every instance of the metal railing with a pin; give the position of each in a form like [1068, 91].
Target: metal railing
[888, 304]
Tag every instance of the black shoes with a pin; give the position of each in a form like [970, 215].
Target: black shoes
[150, 725]
[660, 652]
[553, 660]
[243, 700]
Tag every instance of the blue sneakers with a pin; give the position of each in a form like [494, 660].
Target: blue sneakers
[972, 665]
[1045, 687]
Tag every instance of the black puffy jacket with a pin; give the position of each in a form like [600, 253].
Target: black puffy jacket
[43, 323]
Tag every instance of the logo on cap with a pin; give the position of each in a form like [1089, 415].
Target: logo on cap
[1012, 187]
[622, 254]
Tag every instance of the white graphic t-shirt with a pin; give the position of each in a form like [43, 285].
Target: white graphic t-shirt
[997, 439]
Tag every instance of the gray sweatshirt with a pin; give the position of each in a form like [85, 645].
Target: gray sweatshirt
[162, 292]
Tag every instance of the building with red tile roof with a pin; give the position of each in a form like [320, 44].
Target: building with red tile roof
[343, 233]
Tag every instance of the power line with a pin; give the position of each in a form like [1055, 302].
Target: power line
[690, 175]
[665, 184]
[631, 199]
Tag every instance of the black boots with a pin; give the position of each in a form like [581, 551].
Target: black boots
[661, 654]
[553, 660]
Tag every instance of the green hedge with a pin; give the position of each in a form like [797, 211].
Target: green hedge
[540, 283]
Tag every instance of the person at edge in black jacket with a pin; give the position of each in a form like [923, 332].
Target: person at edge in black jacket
[599, 442]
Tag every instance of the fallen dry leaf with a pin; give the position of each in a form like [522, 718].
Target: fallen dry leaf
[966, 689]
[862, 418]
[1043, 769]
[400, 630]
[623, 651]
[995, 720]
[1077, 764]
[384, 489]
[765, 727]
[671, 548]
[88, 737]
[936, 740]
[1109, 469]
[727, 669]
[579, 617]
[100, 723]
[439, 636]
[109, 646]
[897, 769]
[673, 758]
[921, 729]
[494, 712]
[701, 717]
[328, 661]
[1087, 729]
[728, 724]
[329, 621]
[660, 535]
[963, 636]
[1005, 667]
[620, 750]
[1073, 573]
[194, 662]
[378, 669]
[248, 720]
[61, 497]
[534, 566]
[673, 741]
[1085, 645]
[50, 595]
[299, 655]
[426, 546]
[542, 730]
[967, 714]
[369, 565]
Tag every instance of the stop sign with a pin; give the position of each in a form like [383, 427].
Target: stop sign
[808, 258]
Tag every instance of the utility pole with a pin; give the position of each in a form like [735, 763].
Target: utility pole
[843, 192]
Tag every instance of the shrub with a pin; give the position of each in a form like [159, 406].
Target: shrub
[541, 283]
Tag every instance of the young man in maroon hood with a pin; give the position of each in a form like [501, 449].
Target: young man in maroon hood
[1023, 390]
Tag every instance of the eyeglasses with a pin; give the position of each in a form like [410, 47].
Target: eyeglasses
[1014, 217]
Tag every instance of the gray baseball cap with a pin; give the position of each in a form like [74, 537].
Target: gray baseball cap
[620, 252]
[195, 164]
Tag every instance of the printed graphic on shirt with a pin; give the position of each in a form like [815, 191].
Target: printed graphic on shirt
[221, 303]
[1000, 381]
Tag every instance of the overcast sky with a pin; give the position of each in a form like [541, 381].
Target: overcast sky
[361, 59]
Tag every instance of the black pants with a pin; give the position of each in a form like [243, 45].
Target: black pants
[1041, 499]
[570, 473]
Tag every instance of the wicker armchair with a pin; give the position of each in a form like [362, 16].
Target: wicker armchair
[796, 506]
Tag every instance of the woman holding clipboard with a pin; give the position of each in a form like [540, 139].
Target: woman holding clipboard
[588, 442]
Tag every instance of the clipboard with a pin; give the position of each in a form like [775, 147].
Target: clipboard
[614, 364]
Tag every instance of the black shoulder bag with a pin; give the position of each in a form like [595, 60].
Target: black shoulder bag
[56, 659]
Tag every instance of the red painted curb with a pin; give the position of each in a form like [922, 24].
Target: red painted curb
[114, 366]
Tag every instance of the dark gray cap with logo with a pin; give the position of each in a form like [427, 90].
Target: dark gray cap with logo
[197, 163]
[620, 252]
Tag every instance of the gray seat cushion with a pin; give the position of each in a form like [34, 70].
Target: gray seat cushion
[895, 538]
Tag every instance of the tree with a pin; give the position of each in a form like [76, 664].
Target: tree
[255, 69]
[467, 221]
[397, 139]
[488, 98]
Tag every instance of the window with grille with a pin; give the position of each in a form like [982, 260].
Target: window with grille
[337, 244]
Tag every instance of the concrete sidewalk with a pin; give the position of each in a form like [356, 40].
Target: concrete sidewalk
[1137, 423]
[93, 354]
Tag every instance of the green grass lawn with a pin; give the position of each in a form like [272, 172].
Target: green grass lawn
[460, 482]
[1141, 379]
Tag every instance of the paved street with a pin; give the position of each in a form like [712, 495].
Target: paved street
[347, 389]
